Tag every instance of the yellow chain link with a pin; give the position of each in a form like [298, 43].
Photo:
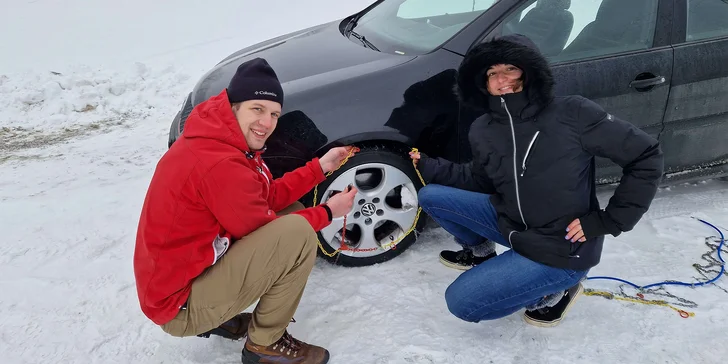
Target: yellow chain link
[609, 295]
[384, 247]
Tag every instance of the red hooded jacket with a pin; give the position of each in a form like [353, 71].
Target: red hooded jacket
[208, 191]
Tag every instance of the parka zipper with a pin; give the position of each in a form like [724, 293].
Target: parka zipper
[258, 164]
[260, 170]
[515, 163]
[528, 151]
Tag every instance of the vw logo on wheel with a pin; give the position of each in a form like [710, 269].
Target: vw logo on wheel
[368, 209]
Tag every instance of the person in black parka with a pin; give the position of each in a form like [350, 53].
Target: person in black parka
[531, 187]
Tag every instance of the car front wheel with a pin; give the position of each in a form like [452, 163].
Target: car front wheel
[385, 214]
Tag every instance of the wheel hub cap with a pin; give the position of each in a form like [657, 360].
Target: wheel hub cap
[368, 209]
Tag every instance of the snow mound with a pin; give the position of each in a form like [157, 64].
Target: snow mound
[82, 96]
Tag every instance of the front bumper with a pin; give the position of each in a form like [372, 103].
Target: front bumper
[178, 123]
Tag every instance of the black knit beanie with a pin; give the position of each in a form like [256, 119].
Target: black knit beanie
[255, 80]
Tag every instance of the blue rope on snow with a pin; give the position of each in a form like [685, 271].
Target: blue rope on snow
[722, 268]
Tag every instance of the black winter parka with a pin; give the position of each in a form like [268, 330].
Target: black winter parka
[534, 154]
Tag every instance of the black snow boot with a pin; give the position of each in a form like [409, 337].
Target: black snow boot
[463, 259]
[552, 316]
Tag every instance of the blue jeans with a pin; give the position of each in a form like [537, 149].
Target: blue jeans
[501, 285]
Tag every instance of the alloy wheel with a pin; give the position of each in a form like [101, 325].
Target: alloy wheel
[384, 210]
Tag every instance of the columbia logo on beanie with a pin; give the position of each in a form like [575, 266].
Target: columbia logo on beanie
[255, 80]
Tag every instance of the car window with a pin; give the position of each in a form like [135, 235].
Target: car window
[707, 19]
[567, 30]
[417, 26]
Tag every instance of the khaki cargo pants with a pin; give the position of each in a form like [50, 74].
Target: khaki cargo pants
[271, 264]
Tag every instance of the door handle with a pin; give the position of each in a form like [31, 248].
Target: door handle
[654, 81]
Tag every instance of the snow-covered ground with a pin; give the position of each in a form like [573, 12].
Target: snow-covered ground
[86, 98]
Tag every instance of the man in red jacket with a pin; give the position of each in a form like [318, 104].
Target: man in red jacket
[217, 232]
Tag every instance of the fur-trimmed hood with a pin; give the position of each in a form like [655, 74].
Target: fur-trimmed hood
[513, 49]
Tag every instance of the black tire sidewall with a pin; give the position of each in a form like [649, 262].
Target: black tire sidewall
[381, 156]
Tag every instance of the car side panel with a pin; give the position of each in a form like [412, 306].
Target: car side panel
[606, 82]
[696, 120]
[412, 104]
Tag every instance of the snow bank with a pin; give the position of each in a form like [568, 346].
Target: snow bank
[80, 96]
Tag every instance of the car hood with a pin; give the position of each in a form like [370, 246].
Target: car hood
[302, 60]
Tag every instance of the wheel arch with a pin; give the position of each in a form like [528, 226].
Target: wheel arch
[392, 142]
[395, 141]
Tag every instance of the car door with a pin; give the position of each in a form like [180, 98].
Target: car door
[614, 52]
[696, 120]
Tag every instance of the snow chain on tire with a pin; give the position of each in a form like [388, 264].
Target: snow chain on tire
[389, 246]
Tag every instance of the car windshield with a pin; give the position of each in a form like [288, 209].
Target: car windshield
[415, 26]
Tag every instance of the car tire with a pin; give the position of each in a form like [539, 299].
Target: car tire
[374, 170]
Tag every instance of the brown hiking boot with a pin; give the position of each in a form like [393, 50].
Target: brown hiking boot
[287, 350]
[234, 329]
